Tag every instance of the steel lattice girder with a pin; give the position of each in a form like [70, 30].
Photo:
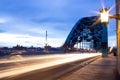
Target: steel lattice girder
[89, 29]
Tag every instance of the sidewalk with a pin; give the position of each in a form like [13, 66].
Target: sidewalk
[101, 69]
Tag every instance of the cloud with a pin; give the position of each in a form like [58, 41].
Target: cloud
[2, 21]
[25, 21]
[27, 40]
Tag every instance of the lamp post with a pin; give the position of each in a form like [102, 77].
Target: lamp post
[104, 18]
[118, 26]
[117, 17]
[118, 34]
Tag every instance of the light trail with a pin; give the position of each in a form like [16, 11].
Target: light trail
[19, 58]
[64, 58]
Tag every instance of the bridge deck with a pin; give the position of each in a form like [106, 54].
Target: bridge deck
[101, 69]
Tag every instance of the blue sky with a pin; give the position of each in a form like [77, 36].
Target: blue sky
[24, 22]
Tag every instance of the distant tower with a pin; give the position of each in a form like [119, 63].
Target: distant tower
[46, 44]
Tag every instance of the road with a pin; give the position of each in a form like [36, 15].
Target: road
[45, 67]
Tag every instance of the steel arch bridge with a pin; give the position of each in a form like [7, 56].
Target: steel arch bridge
[88, 29]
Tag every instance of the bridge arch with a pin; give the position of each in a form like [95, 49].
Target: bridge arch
[87, 29]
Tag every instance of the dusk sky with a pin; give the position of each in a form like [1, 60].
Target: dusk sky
[25, 22]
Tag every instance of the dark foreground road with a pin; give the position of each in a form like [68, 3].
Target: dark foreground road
[50, 67]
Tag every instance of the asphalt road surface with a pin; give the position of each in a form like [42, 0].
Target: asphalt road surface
[45, 67]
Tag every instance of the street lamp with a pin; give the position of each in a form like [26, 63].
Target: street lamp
[117, 17]
[104, 16]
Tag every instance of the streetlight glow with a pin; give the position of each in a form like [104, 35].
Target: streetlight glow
[104, 15]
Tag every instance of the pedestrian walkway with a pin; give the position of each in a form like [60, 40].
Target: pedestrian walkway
[101, 69]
